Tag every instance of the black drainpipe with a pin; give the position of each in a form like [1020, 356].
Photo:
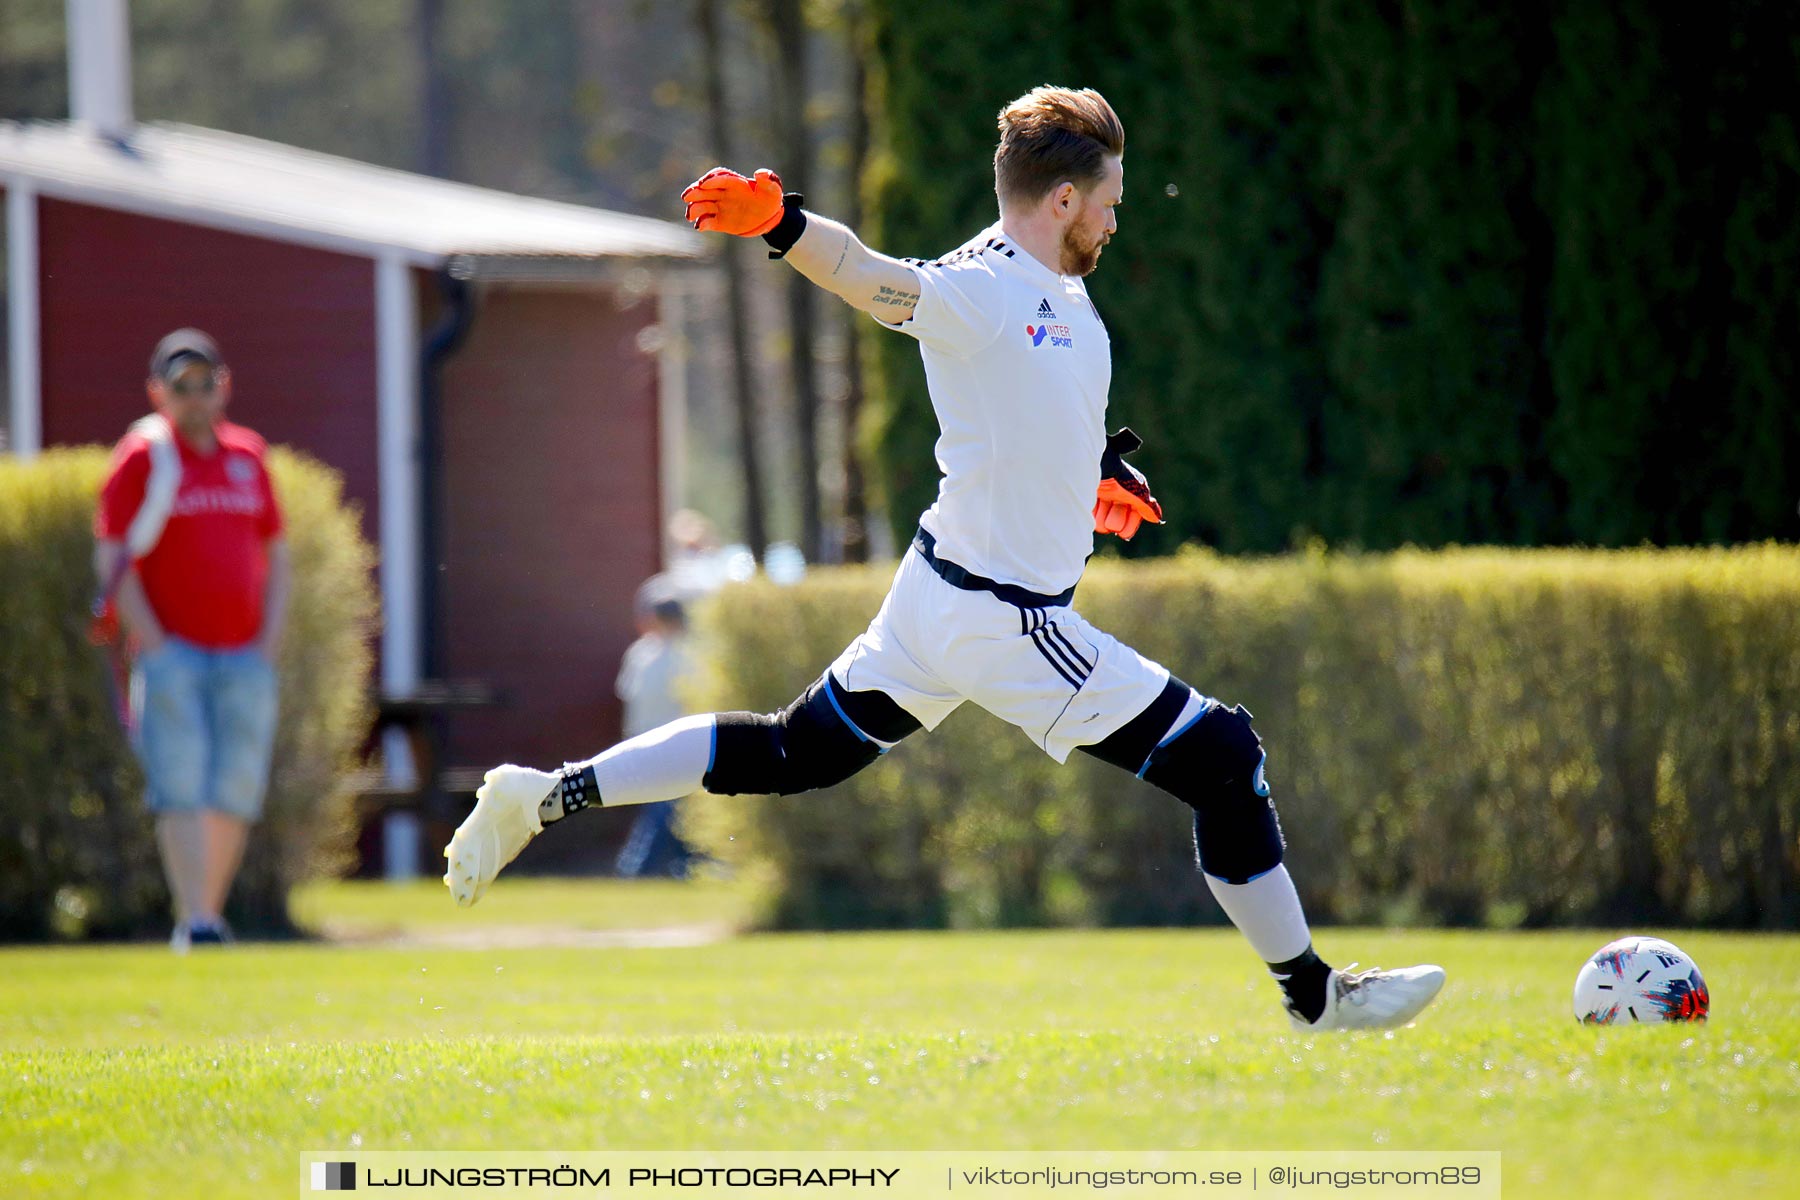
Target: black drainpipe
[440, 343]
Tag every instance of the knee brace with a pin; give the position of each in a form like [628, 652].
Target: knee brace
[824, 737]
[1215, 766]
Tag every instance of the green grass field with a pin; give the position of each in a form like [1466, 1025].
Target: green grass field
[355, 911]
[129, 1072]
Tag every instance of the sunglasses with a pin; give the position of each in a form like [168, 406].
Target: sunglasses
[205, 385]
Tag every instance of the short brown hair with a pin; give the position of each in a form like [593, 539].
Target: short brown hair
[1051, 134]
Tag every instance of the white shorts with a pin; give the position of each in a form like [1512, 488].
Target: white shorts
[1046, 670]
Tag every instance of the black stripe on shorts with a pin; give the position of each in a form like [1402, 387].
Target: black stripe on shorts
[1074, 672]
[1087, 668]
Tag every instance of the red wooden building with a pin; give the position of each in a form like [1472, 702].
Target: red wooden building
[489, 372]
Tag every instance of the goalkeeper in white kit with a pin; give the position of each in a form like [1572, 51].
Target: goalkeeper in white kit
[1018, 364]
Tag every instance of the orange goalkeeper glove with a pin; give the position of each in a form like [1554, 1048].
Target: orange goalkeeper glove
[723, 201]
[1123, 501]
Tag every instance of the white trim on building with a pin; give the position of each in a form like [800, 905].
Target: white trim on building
[671, 402]
[248, 185]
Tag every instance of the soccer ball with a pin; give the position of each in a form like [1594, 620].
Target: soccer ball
[1639, 979]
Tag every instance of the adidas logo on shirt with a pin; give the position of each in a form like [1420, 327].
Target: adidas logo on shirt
[1045, 312]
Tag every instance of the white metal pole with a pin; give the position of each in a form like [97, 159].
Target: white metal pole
[397, 452]
[100, 65]
[396, 353]
[26, 413]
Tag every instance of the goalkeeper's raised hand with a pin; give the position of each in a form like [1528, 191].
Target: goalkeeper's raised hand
[1123, 502]
[722, 201]
[827, 253]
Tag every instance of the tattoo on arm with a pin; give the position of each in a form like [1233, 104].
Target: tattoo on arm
[842, 254]
[895, 297]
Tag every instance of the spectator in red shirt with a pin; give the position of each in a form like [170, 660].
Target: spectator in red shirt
[189, 528]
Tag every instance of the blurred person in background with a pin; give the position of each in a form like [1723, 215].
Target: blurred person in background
[696, 561]
[655, 667]
[191, 557]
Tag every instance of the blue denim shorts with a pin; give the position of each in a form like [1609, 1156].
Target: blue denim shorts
[205, 728]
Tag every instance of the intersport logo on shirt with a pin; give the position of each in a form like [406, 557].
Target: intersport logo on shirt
[1059, 335]
[240, 502]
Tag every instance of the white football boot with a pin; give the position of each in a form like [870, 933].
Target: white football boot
[1374, 999]
[505, 818]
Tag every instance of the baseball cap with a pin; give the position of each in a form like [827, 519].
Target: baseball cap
[177, 349]
[658, 595]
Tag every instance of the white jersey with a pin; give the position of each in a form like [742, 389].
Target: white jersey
[649, 682]
[1018, 365]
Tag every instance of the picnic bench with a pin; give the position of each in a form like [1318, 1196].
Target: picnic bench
[407, 810]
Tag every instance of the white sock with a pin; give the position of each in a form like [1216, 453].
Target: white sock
[1266, 911]
[665, 764]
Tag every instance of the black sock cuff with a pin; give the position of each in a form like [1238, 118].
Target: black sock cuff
[577, 789]
[1300, 962]
[1303, 981]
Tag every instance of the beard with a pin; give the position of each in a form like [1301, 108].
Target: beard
[1080, 256]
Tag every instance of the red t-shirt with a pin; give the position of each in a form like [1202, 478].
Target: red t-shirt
[206, 575]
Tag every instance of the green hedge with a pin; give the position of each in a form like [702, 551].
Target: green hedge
[77, 849]
[1465, 737]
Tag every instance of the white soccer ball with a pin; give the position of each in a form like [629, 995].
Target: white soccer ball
[1639, 979]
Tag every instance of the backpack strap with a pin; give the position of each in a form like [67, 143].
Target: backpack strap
[159, 490]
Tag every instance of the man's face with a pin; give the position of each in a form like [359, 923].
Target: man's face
[193, 398]
[1093, 222]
